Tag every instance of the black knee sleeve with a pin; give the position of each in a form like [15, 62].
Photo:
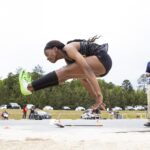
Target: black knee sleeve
[50, 79]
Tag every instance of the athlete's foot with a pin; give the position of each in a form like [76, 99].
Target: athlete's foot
[24, 81]
[30, 87]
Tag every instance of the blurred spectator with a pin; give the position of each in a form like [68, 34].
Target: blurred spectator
[5, 115]
[148, 69]
[117, 115]
[148, 94]
[31, 115]
[24, 110]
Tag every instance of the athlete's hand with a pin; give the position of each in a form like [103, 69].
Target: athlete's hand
[99, 104]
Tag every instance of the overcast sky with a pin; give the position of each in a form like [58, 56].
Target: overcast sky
[27, 25]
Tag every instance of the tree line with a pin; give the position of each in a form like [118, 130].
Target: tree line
[70, 93]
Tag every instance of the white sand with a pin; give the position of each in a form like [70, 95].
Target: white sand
[23, 137]
[129, 141]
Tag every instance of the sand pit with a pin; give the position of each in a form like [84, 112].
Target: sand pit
[41, 135]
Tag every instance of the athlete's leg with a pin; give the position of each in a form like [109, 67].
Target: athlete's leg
[91, 92]
[74, 70]
[67, 72]
[89, 88]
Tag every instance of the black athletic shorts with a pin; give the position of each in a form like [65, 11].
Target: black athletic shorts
[105, 59]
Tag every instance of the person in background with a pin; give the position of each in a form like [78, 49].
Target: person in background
[148, 95]
[24, 110]
[148, 69]
[5, 115]
[31, 115]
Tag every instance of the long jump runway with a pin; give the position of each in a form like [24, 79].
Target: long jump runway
[121, 134]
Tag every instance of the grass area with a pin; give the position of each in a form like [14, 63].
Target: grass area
[66, 114]
[127, 114]
[71, 114]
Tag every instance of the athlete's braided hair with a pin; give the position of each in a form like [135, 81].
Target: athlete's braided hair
[91, 40]
[94, 38]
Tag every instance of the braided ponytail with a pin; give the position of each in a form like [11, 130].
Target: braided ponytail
[93, 38]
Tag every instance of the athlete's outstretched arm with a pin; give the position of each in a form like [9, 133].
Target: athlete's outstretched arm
[88, 87]
[88, 72]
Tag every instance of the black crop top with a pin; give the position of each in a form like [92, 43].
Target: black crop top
[88, 49]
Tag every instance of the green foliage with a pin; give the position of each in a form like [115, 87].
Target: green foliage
[72, 93]
[127, 85]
